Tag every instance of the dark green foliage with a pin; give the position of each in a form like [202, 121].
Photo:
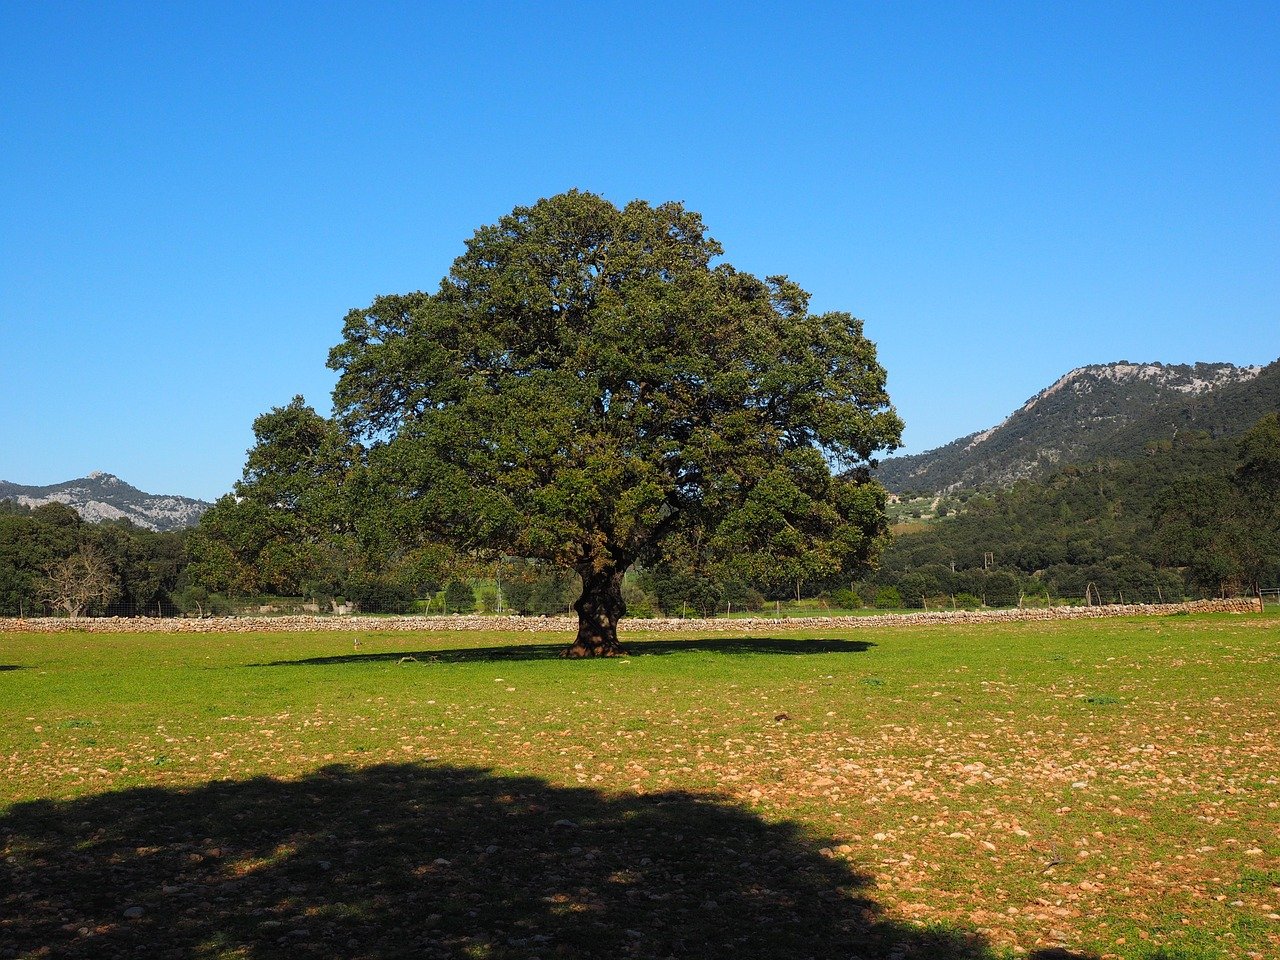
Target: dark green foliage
[1223, 525]
[196, 600]
[459, 597]
[846, 598]
[29, 541]
[640, 603]
[144, 569]
[148, 566]
[682, 589]
[888, 598]
[538, 589]
[585, 388]
[285, 529]
[304, 522]
[740, 596]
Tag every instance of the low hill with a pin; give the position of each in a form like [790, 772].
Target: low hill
[1113, 410]
[102, 496]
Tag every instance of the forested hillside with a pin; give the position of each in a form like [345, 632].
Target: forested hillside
[1193, 515]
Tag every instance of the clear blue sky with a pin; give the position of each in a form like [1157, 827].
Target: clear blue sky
[191, 199]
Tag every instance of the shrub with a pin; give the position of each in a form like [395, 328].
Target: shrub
[846, 599]
[888, 598]
[459, 597]
[487, 598]
[639, 602]
[741, 596]
[540, 591]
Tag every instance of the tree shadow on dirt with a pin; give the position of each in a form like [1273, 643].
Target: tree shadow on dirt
[431, 861]
[555, 651]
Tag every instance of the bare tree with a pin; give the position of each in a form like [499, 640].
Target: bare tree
[74, 583]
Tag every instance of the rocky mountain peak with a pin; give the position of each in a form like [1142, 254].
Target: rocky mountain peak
[104, 496]
[1094, 412]
[1190, 379]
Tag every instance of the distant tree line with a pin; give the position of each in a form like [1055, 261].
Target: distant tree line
[53, 561]
[1195, 516]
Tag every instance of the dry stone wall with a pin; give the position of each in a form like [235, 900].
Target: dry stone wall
[356, 624]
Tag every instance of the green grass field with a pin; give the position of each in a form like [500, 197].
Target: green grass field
[1057, 790]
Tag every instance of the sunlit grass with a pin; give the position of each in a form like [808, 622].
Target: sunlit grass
[1109, 786]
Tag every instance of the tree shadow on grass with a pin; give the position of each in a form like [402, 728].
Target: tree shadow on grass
[416, 860]
[555, 651]
[9, 666]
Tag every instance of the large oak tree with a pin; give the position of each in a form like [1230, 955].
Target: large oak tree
[590, 387]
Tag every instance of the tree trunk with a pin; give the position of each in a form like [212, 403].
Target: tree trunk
[599, 609]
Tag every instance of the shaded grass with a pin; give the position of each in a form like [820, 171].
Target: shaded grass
[736, 646]
[438, 861]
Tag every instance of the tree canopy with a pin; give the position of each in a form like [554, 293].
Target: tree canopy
[588, 387]
[283, 526]
[303, 521]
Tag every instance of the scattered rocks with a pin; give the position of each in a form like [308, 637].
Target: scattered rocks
[358, 624]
